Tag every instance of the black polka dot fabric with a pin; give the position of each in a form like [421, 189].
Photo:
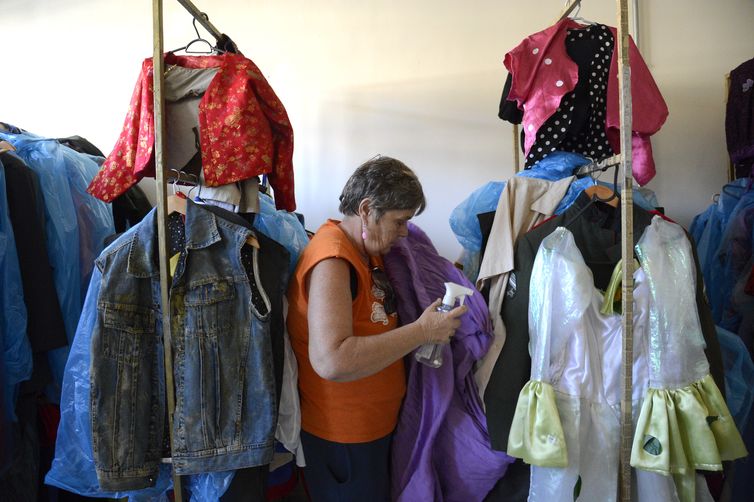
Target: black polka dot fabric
[177, 244]
[578, 125]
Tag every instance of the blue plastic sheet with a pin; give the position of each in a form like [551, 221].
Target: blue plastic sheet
[739, 374]
[283, 227]
[76, 226]
[724, 268]
[15, 346]
[463, 219]
[556, 166]
[61, 232]
[94, 217]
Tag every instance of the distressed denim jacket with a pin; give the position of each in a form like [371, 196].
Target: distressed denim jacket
[226, 408]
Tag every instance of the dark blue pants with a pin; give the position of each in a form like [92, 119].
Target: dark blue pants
[347, 472]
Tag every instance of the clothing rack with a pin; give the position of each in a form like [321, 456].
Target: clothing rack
[627, 230]
[162, 211]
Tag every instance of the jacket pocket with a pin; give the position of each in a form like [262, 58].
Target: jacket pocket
[126, 329]
[127, 405]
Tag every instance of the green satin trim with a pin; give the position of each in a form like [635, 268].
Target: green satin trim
[536, 435]
[681, 430]
[609, 304]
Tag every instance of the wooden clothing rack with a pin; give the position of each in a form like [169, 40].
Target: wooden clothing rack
[162, 211]
[627, 233]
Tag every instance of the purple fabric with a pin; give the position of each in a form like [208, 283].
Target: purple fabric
[441, 449]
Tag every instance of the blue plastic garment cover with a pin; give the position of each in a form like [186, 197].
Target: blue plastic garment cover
[739, 373]
[73, 466]
[16, 349]
[46, 160]
[726, 267]
[708, 244]
[696, 230]
[282, 227]
[94, 217]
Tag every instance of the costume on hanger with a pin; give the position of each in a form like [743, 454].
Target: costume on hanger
[441, 450]
[244, 129]
[543, 73]
[567, 417]
[523, 203]
[74, 466]
[601, 249]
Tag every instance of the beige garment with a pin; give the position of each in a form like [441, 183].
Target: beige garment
[524, 203]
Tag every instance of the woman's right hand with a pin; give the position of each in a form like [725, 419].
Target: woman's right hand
[439, 327]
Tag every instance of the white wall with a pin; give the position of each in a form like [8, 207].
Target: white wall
[419, 80]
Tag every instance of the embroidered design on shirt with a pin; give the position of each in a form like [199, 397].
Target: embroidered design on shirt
[748, 85]
[378, 313]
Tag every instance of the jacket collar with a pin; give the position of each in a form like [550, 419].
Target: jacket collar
[201, 232]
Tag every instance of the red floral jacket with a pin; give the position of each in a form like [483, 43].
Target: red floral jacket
[244, 131]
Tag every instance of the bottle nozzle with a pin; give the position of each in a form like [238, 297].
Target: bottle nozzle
[453, 291]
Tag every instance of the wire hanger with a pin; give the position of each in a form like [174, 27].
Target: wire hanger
[575, 15]
[210, 49]
[177, 201]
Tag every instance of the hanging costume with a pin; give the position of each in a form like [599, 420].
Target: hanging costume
[244, 130]
[543, 73]
[567, 417]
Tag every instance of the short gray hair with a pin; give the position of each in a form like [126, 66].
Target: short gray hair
[388, 183]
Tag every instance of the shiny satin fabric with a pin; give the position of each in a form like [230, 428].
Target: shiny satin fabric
[576, 350]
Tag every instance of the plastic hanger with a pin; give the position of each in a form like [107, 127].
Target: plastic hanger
[603, 194]
[177, 200]
[600, 193]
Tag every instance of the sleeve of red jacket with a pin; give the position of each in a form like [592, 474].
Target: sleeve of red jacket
[125, 165]
[281, 177]
[649, 111]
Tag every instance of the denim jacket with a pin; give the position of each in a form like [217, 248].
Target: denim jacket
[225, 413]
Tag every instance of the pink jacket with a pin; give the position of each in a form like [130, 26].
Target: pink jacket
[543, 73]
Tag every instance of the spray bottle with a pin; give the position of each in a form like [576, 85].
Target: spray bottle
[431, 353]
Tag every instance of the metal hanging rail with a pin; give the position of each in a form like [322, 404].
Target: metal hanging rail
[158, 75]
[627, 250]
[162, 241]
[627, 232]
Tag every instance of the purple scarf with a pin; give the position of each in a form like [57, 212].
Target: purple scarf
[441, 449]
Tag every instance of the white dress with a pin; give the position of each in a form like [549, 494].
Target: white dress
[567, 421]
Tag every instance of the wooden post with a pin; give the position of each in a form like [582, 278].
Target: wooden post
[516, 152]
[627, 251]
[162, 241]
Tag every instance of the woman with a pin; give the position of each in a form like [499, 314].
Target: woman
[344, 330]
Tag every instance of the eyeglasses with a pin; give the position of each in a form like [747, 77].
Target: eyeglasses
[379, 278]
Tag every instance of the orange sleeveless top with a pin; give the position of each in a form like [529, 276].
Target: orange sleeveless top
[344, 412]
